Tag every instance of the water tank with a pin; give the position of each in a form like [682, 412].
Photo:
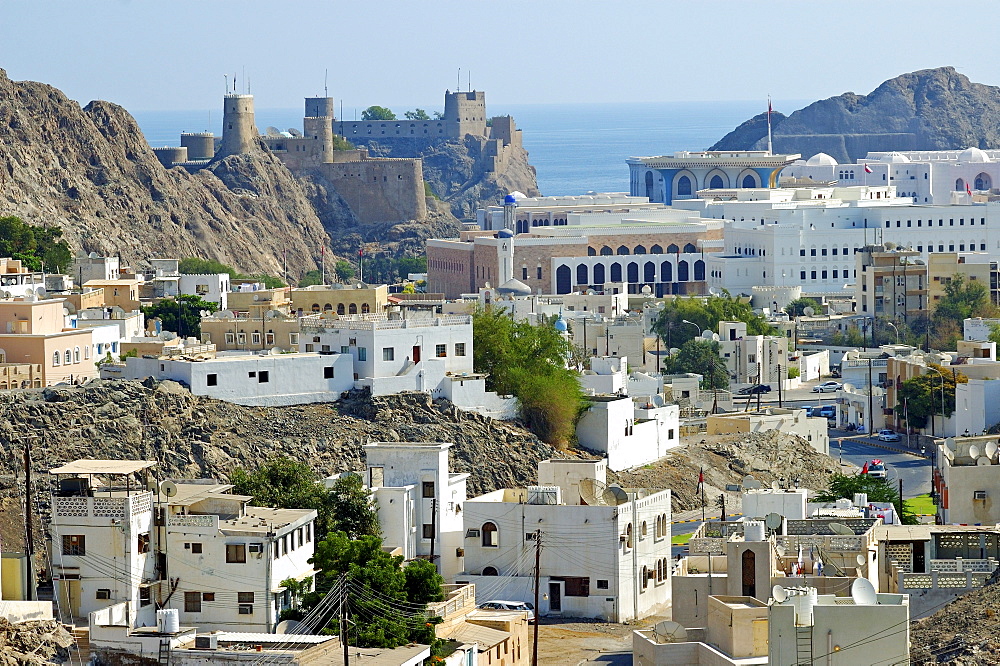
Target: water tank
[168, 620]
[171, 155]
[753, 530]
[544, 495]
[804, 602]
[861, 499]
[200, 145]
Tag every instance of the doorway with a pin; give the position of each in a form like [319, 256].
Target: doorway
[416, 354]
[749, 574]
[555, 598]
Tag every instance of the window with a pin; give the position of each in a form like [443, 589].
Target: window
[269, 338]
[236, 553]
[328, 372]
[428, 489]
[524, 272]
[192, 602]
[244, 597]
[428, 531]
[440, 350]
[76, 354]
[602, 584]
[143, 543]
[539, 273]
[144, 599]
[577, 586]
[362, 353]
[490, 538]
[67, 357]
[208, 596]
[263, 377]
[74, 544]
[460, 346]
[196, 548]
[250, 375]
[103, 593]
[55, 358]
[293, 338]
[255, 338]
[230, 338]
[246, 609]
[241, 338]
[388, 354]
[212, 380]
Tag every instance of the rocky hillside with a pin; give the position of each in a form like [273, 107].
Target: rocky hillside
[931, 109]
[963, 633]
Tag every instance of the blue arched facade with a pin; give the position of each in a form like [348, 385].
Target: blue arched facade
[700, 178]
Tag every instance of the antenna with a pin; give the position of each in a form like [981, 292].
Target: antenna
[326, 91]
[459, 86]
[226, 77]
[778, 593]
[863, 592]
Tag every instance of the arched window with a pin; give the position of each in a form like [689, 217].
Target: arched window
[639, 249]
[666, 272]
[649, 184]
[340, 309]
[491, 538]
[633, 272]
[643, 529]
[76, 354]
[749, 181]
[327, 307]
[606, 251]
[983, 182]
[622, 249]
[649, 272]
[315, 307]
[591, 252]
[352, 308]
[55, 358]
[67, 357]
[656, 249]
[599, 274]
[683, 186]
[690, 248]
[959, 185]
[564, 278]
[628, 535]
[616, 272]
[659, 563]
[673, 249]
[581, 274]
[644, 577]
[682, 271]
[490, 571]
[716, 183]
[365, 309]
[699, 270]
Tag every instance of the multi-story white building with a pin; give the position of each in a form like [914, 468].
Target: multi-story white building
[94, 267]
[629, 432]
[212, 287]
[101, 545]
[229, 558]
[603, 554]
[419, 501]
[753, 359]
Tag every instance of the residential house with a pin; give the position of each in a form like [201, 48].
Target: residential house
[34, 332]
[789, 421]
[629, 432]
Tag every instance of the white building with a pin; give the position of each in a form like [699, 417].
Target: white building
[419, 501]
[256, 380]
[94, 267]
[229, 558]
[101, 546]
[753, 359]
[629, 432]
[110, 328]
[604, 555]
[607, 375]
[213, 287]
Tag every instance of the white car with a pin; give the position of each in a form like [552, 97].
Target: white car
[827, 387]
[500, 604]
[887, 436]
[876, 469]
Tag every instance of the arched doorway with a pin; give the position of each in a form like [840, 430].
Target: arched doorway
[749, 573]
[649, 185]
[683, 186]
[716, 182]
[564, 279]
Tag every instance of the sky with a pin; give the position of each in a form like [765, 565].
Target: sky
[175, 54]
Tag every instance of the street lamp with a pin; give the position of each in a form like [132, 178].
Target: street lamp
[942, 400]
[889, 323]
[696, 326]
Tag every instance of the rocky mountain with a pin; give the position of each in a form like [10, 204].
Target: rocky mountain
[931, 109]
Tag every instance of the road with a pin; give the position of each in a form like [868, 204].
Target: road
[913, 470]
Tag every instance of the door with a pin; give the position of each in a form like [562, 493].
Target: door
[70, 596]
[555, 598]
[416, 354]
[749, 574]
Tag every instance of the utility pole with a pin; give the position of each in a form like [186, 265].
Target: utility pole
[779, 385]
[343, 617]
[433, 529]
[758, 385]
[538, 560]
[29, 538]
[871, 400]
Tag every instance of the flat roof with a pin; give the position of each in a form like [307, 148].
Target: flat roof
[94, 466]
[474, 633]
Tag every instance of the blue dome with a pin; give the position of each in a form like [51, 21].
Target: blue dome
[509, 200]
[561, 325]
[505, 233]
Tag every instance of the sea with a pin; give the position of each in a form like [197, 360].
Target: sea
[575, 148]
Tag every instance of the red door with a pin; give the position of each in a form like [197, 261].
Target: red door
[416, 354]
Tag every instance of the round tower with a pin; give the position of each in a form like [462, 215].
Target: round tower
[200, 145]
[319, 107]
[239, 131]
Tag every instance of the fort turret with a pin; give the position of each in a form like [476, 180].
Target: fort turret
[239, 131]
[318, 126]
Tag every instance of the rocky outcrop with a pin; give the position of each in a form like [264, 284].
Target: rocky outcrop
[35, 642]
[931, 109]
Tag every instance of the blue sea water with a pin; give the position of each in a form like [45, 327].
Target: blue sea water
[575, 148]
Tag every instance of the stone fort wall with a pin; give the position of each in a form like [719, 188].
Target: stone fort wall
[380, 190]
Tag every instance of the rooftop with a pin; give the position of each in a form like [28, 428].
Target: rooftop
[86, 466]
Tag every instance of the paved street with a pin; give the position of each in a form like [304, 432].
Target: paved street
[913, 470]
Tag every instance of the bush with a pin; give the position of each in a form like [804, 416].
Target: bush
[793, 372]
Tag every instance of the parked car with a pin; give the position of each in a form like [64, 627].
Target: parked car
[500, 604]
[828, 387]
[876, 469]
[887, 436]
[755, 389]
[825, 411]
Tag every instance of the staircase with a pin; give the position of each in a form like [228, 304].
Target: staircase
[804, 645]
[82, 637]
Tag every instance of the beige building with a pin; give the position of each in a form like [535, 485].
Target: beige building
[965, 482]
[124, 292]
[32, 332]
[88, 298]
[789, 421]
[890, 283]
[340, 299]
[248, 333]
[255, 303]
[973, 266]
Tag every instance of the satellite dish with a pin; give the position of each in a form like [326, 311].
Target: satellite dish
[747, 481]
[860, 559]
[983, 461]
[276, 133]
[779, 593]
[848, 387]
[674, 351]
[780, 550]
[294, 132]
[669, 631]
[775, 485]
[93, 255]
[756, 485]
[863, 592]
[772, 521]
[592, 492]
[991, 449]
[950, 443]
[168, 488]
[973, 451]
[840, 528]
[615, 495]
[808, 311]
[713, 291]
[41, 292]
[288, 626]
[276, 350]
[227, 314]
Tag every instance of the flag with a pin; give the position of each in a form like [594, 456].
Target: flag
[322, 250]
[701, 478]
[769, 109]
[968, 189]
[864, 470]
[361, 252]
[868, 169]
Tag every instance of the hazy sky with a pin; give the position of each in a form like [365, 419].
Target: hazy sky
[172, 54]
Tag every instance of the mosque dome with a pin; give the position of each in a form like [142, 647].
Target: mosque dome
[895, 158]
[505, 233]
[821, 159]
[509, 199]
[517, 195]
[561, 325]
[973, 155]
[515, 288]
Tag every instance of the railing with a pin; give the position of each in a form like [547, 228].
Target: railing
[962, 565]
[863, 363]
[102, 507]
[848, 544]
[192, 521]
[942, 580]
[370, 323]
[458, 600]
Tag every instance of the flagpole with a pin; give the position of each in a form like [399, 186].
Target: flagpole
[770, 148]
[701, 482]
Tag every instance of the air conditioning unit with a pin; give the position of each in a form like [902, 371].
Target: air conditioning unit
[979, 495]
[472, 533]
[256, 548]
[206, 642]
[544, 495]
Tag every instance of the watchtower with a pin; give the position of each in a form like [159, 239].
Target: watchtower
[239, 131]
[465, 113]
[317, 125]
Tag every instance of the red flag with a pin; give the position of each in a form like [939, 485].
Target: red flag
[864, 470]
[361, 253]
[701, 477]
[322, 250]
[868, 169]
[968, 189]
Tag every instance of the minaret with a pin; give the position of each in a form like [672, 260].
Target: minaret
[239, 131]
[506, 236]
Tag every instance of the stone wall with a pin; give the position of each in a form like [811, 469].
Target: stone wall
[380, 190]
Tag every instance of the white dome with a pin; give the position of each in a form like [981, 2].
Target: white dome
[515, 287]
[821, 159]
[895, 158]
[973, 155]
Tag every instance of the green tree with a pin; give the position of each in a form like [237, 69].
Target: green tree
[196, 265]
[34, 245]
[919, 398]
[962, 300]
[705, 313]
[311, 278]
[844, 486]
[407, 265]
[284, 483]
[344, 270]
[377, 113]
[182, 315]
[416, 114]
[796, 307]
[351, 508]
[340, 143]
[701, 357]
[529, 362]
[423, 582]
